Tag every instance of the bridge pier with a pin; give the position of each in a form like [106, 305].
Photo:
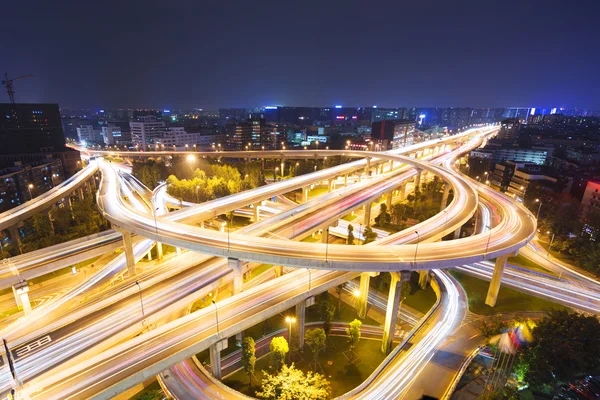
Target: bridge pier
[256, 212]
[282, 166]
[215, 357]
[367, 220]
[330, 185]
[20, 291]
[457, 233]
[418, 179]
[129, 256]
[300, 321]
[368, 166]
[305, 194]
[388, 200]
[81, 197]
[424, 278]
[159, 250]
[391, 314]
[15, 237]
[402, 192]
[278, 270]
[237, 268]
[445, 195]
[492, 295]
[325, 234]
[345, 180]
[363, 297]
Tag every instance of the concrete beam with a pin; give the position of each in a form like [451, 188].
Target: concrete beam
[492, 295]
[391, 314]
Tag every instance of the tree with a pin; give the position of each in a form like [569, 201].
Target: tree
[338, 290]
[398, 214]
[315, 340]
[248, 357]
[350, 239]
[279, 348]
[384, 217]
[566, 345]
[354, 332]
[327, 313]
[492, 326]
[590, 258]
[292, 384]
[370, 236]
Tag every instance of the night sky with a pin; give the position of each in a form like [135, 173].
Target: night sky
[184, 54]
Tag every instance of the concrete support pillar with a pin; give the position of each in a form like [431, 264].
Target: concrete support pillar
[457, 234]
[345, 180]
[81, 197]
[325, 235]
[305, 194]
[15, 237]
[282, 166]
[215, 357]
[178, 250]
[300, 320]
[159, 250]
[256, 212]
[424, 278]
[330, 185]
[21, 291]
[362, 301]
[402, 192]
[149, 254]
[238, 276]
[367, 220]
[418, 179]
[492, 295]
[201, 223]
[278, 270]
[388, 200]
[445, 196]
[129, 257]
[368, 166]
[391, 165]
[391, 314]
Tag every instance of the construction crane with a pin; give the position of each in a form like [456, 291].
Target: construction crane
[8, 83]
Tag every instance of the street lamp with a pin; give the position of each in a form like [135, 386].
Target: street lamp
[29, 187]
[197, 197]
[417, 248]
[155, 224]
[326, 243]
[141, 301]
[488, 241]
[216, 315]
[290, 321]
[537, 216]
[551, 241]
[317, 143]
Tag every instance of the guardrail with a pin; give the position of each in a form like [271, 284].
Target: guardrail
[460, 373]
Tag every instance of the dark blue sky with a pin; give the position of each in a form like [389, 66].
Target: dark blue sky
[251, 53]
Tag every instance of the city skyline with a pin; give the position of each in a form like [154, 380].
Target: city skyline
[461, 55]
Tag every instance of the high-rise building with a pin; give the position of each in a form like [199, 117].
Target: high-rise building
[112, 135]
[509, 129]
[388, 114]
[87, 134]
[248, 133]
[146, 130]
[392, 134]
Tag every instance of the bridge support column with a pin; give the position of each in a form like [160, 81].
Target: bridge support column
[325, 235]
[305, 194]
[236, 267]
[178, 250]
[20, 291]
[402, 192]
[300, 320]
[424, 278]
[81, 197]
[278, 271]
[149, 254]
[330, 185]
[282, 166]
[256, 212]
[492, 294]
[391, 314]
[129, 256]
[15, 237]
[368, 166]
[418, 179]
[391, 165]
[159, 250]
[367, 220]
[457, 234]
[345, 180]
[445, 195]
[363, 297]
[388, 200]
[215, 357]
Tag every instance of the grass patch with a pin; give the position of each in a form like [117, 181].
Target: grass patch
[422, 300]
[311, 239]
[336, 368]
[317, 191]
[150, 392]
[347, 313]
[256, 271]
[527, 263]
[349, 217]
[509, 299]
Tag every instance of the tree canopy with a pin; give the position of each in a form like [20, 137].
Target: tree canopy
[278, 349]
[292, 384]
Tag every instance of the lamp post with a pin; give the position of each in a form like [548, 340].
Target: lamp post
[197, 197]
[537, 216]
[356, 294]
[326, 244]
[551, 241]
[416, 248]
[155, 224]
[488, 241]
[290, 321]
[317, 143]
[445, 222]
[29, 187]
[141, 301]
[216, 315]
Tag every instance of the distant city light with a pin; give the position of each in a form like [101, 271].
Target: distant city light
[532, 112]
[270, 108]
[374, 106]
[338, 106]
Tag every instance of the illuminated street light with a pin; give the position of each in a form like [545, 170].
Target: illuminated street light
[488, 241]
[216, 315]
[537, 216]
[290, 321]
[141, 302]
[417, 247]
[29, 187]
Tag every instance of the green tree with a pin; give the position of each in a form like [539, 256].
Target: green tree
[492, 326]
[384, 216]
[398, 214]
[590, 258]
[279, 348]
[315, 340]
[248, 357]
[350, 239]
[291, 384]
[369, 235]
[338, 290]
[566, 345]
[354, 332]
[327, 313]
